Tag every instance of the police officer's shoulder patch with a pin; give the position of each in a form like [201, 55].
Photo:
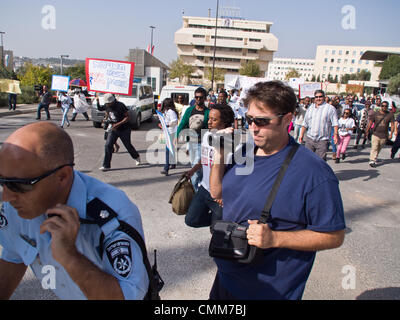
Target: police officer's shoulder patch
[3, 219]
[120, 256]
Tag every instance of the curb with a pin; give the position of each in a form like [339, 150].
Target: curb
[22, 111]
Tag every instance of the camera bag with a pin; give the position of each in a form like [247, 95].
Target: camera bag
[229, 239]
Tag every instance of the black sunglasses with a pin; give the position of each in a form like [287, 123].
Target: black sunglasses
[24, 185]
[261, 122]
[199, 97]
[316, 97]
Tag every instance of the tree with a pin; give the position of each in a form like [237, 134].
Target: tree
[180, 70]
[394, 85]
[34, 75]
[250, 69]
[77, 71]
[363, 75]
[293, 73]
[219, 74]
[390, 68]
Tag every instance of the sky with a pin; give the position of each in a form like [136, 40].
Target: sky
[108, 29]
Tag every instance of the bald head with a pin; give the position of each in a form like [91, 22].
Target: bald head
[42, 141]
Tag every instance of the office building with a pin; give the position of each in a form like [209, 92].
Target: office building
[238, 41]
[279, 67]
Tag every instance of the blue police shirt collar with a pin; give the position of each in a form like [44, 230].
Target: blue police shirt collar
[78, 195]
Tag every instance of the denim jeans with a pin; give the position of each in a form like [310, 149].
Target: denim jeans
[296, 133]
[332, 142]
[168, 159]
[65, 117]
[199, 214]
[125, 136]
[12, 101]
[195, 156]
[46, 109]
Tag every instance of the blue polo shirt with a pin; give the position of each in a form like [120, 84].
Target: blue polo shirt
[308, 199]
[121, 256]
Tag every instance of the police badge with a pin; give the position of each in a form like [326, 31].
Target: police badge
[120, 257]
[3, 220]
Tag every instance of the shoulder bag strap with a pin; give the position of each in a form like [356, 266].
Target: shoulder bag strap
[266, 213]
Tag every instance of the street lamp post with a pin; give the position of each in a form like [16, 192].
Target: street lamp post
[63, 56]
[2, 48]
[151, 46]
[215, 46]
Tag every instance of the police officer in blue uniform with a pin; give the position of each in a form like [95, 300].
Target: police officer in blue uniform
[55, 216]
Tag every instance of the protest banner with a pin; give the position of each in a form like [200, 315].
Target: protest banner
[308, 89]
[10, 86]
[166, 133]
[110, 76]
[60, 83]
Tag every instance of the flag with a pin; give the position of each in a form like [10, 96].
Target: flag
[150, 50]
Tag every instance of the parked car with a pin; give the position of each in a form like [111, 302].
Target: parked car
[140, 105]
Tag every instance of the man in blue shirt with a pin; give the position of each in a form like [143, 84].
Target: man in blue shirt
[307, 213]
[40, 222]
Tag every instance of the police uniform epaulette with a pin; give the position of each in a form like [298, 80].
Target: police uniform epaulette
[100, 214]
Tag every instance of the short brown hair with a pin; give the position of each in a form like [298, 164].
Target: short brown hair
[277, 96]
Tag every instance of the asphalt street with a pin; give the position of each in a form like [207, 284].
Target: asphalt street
[365, 267]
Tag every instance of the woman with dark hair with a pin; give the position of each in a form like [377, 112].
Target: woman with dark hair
[171, 120]
[204, 209]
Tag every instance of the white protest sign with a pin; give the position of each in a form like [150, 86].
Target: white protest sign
[60, 83]
[110, 76]
[308, 89]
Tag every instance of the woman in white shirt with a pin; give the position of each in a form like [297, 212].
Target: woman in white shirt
[204, 209]
[346, 126]
[171, 120]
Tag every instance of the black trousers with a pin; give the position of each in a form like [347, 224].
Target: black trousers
[125, 136]
[360, 132]
[396, 145]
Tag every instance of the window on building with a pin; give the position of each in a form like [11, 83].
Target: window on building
[339, 61]
[340, 52]
[346, 61]
[326, 60]
[353, 61]
[332, 60]
[347, 52]
[333, 52]
[337, 69]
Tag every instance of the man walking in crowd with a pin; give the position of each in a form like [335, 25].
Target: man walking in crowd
[319, 120]
[66, 103]
[306, 215]
[80, 105]
[299, 114]
[43, 222]
[118, 114]
[45, 100]
[195, 119]
[363, 125]
[379, 127]
[396, 144]
[12, 101]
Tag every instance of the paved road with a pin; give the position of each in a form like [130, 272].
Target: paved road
[371, 201]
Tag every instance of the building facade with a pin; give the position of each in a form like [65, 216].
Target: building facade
[238, 41]
[149, 69]
[337, 61]
[279, 67]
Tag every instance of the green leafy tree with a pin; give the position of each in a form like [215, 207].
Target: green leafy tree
[180, 70]
[293, 73]
[390, 68]
[219, 74]
[250, 69]
[33, 75]
[394, 85]
[76, 71]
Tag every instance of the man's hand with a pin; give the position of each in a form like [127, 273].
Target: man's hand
[260, 235]
[63, 224]
[335, 139]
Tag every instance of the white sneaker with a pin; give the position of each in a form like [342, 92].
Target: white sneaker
[104, 169]
[137, 161]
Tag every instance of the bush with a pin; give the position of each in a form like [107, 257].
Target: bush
[28, 95]
[3, 99]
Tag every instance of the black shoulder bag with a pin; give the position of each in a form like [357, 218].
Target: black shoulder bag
[229, 239]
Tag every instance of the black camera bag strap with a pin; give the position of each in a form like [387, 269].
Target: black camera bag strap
[266, 213]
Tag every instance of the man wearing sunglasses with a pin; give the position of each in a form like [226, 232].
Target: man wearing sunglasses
[51, 216]
[306, 215]
[319, 120]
